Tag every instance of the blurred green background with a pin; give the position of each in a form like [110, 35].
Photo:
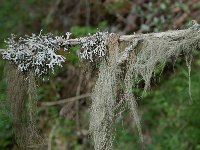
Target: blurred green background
[169, 122]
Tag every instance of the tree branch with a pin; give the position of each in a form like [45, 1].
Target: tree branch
[173, 34]
[66, 100]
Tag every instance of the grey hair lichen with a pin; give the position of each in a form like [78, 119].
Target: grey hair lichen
[154, 51]
[22, 100]
[104, 98]
[102, 111]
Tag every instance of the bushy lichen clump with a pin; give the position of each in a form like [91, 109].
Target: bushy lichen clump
[93, 45]
[35, 52]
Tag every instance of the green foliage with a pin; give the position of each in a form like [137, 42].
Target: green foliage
[116, 5]
[125, 138]
[6, 133]
[197, 5]
[9, 22]
[84, 30]
[157, 16]
[72, 55]
[182, 6]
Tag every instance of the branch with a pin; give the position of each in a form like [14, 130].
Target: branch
[128, 38]
[174, 35]
[170, 33]
[71, 99]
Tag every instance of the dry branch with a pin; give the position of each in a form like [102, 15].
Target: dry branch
[173, 34]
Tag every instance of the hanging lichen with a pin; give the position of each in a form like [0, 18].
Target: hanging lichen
[102, 112]
[129, 96]
[142, 57]
[154, 51]
[23, 106]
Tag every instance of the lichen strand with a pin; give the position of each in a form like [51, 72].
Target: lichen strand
[129, 96]
[36, 52]
[22, 102]
[102, 111]
[154, 51]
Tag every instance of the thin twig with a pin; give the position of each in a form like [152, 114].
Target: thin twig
[63, 101]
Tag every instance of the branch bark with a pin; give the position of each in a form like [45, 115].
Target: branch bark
[170, 33]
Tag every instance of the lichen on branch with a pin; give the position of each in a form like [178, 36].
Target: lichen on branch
[39, 52]
[35, 52]
[93, 45]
